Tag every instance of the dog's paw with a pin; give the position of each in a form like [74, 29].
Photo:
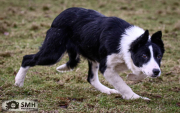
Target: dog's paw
[19, 80]
[133, 77]
[114, 91]
[134, 96]
[63, 68]
[145, 98]
[109, 91]
[19, 83]
[131, 96]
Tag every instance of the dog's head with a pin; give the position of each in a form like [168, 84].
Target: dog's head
[147, 52]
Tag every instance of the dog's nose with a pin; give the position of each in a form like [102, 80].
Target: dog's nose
[156, 72]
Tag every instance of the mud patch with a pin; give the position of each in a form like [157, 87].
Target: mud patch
[5, 54]
[65, 101]
[175, 89]
[177, 26]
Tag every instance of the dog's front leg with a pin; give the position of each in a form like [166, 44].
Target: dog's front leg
[114, 79]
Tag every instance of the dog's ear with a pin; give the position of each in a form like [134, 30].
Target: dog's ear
[156, 38]
[139, 42]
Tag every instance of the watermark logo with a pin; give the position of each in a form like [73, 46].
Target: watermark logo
[20, 105]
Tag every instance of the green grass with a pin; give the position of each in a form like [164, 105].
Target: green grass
[26, 23]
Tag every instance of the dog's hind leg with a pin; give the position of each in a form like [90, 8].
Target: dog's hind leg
[73, 59]
[50, 53]
[94, 80]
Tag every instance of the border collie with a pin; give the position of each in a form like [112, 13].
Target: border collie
[110, 44]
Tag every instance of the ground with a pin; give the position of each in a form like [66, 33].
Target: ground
[23, 25]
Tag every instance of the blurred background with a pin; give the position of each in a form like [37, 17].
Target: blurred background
[23, 26]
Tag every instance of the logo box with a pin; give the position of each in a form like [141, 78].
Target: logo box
[20, 105]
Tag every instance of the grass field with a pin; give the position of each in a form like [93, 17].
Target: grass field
[23, 24]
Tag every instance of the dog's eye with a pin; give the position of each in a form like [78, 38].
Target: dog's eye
[144, 56]
[159, 56]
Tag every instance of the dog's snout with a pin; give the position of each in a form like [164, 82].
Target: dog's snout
[156, 72]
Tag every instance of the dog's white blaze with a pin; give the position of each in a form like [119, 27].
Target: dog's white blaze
[152, 64]
[96, 83]
[19, 79]
[130, 35]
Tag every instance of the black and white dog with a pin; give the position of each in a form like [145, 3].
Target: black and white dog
[110, 44]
